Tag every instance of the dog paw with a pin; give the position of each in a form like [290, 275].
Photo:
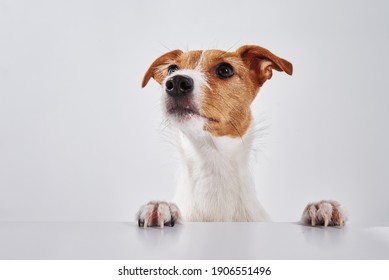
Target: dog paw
[324, 213]
[158, 214]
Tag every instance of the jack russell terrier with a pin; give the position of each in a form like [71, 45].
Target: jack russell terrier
[207, 96]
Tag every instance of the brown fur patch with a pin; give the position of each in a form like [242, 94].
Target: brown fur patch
[155, 70]
[188, 60]
[227, 101]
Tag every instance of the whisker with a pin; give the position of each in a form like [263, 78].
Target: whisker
[163, 45]
[165, 123]
[233, 45]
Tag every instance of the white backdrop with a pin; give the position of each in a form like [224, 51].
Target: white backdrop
[81, 141]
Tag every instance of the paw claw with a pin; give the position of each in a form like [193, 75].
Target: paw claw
[158, 214]
[324, 213]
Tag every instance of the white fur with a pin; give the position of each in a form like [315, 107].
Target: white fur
[214, 181]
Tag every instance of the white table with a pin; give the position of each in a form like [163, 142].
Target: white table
[124, 240]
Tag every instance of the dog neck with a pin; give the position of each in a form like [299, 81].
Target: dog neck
[215, 182]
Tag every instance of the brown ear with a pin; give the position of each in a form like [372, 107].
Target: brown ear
[262, 61]
[163, 59]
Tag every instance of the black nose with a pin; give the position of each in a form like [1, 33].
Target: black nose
[179, 85]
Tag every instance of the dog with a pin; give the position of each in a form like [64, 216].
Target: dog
[207, 97]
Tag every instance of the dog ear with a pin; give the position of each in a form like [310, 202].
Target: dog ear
[153, 69]
[261, 62]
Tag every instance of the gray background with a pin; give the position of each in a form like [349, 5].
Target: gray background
[81, 141]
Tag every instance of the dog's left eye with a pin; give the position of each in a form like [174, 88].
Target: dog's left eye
[172, 68]
[224, 70]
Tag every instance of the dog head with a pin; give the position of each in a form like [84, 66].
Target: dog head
[214, 88]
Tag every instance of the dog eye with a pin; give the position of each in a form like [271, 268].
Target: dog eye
[172, 68]
[224, 71]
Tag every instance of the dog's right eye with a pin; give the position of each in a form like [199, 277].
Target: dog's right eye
[172, 68]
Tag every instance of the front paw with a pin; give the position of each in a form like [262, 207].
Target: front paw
[158, 214]
[325, 212]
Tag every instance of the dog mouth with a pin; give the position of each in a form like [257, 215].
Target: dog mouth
[183, 112]
[179, 111]
[186, 112]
